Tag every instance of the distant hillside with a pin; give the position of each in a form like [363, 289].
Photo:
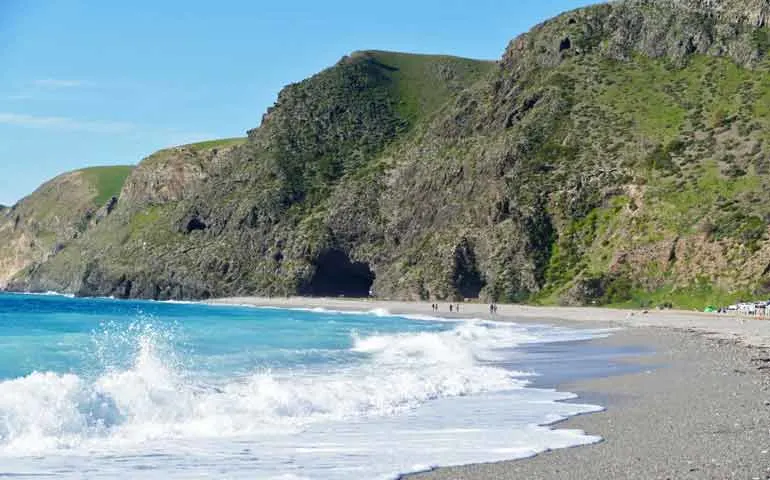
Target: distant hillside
[43, 223]
[616, 154]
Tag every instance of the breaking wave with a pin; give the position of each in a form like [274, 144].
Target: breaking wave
[154, 395]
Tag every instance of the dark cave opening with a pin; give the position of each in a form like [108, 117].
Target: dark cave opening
[195, 224]
[467, 278]
[337, 276]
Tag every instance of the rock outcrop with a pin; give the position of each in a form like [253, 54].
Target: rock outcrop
[755, 13]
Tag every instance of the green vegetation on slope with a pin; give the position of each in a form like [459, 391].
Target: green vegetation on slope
[107, 180]
[336, 122]
[695, 296]
[689, 141]
[423, 83]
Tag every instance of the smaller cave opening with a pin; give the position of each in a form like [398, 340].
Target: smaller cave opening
[195, 224]
[337, 276]
[565, 44]
[111, 204]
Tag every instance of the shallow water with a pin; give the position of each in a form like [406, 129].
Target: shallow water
[102, 389]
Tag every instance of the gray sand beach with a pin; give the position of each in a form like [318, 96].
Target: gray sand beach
[699, 408]
[701, 411]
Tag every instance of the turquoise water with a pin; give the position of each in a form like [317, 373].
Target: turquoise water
[87, 336]
[98, 388]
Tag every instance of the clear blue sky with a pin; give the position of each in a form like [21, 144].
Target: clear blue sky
[96, 82]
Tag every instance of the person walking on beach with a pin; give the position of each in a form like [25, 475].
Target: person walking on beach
[450, 308]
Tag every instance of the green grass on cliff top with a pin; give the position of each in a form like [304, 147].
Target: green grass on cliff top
[107, 180]
[162, 155]
[220, 143]
[423, 83]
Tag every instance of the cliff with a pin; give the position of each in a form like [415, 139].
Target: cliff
[616, 154]
[43, 224]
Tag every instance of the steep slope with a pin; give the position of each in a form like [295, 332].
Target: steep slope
[59, 211]
[615, 154]
[255, 222]
[624, 150]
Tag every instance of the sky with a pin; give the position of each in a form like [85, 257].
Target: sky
[94, 82]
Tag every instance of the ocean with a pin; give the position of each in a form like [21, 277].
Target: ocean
[99, 388]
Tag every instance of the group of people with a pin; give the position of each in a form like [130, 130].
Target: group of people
[453, 307]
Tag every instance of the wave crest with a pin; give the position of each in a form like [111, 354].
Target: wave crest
[155, 397]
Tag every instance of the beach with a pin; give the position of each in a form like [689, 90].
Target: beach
[699, 408]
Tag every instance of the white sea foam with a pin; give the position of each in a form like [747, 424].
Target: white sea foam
[377, 312]
[49, 293]
[152, 399]
[414, 401]
[184, 302]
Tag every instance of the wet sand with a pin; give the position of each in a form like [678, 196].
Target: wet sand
[699, 410]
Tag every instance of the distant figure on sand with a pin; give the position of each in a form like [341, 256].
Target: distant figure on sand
[450, 308]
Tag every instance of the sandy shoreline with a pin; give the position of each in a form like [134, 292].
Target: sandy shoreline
[703, 410]
[745, 330]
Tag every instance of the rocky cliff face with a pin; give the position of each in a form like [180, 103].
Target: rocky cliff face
[755, 13]
[172, 175]
[671, 29]
[615, 154]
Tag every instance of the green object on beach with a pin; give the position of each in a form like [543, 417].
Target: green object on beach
[710, 309]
